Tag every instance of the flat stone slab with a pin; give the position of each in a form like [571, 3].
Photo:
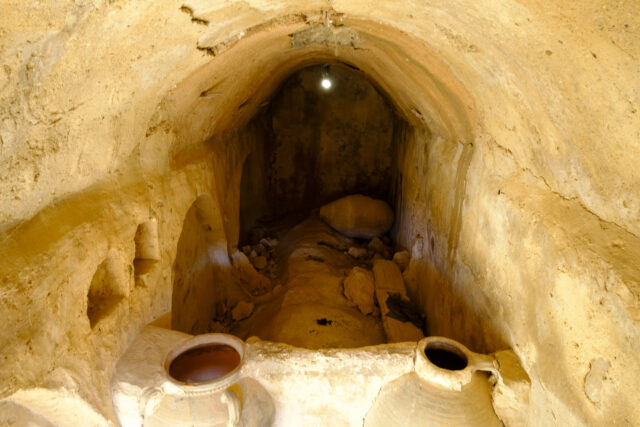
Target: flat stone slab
[388, 281]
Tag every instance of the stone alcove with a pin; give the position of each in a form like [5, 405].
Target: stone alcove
[525, 113]
[319, 144]
[308, 145]
[303, 146]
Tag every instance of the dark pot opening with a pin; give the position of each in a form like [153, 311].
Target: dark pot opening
[446, 356]
[204, 363]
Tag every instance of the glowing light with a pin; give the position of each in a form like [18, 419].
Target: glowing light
[326, 83]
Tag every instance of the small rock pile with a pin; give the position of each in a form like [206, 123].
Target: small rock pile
[225, 318]
[262, 257]
[359, 283]
[256, 267]
[378, 248]
[255, 270]
[373, 280]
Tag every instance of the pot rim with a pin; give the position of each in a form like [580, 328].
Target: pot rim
[199, 341]
[447, 378]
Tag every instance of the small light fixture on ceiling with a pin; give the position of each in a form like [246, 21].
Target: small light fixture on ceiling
[326, 82]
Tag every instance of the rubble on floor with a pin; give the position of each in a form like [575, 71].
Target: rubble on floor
[311, 286]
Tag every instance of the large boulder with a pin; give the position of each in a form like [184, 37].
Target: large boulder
[358, 216]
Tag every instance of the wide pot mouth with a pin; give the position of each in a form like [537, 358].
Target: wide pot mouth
[446, 355]
[444, 362]
[205, 361]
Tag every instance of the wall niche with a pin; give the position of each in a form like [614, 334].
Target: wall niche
[109, 286]
[147, 248]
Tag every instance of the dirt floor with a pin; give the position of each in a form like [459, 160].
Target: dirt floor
[308, 307]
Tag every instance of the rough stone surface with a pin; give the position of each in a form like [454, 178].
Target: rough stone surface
[193, 298]
[44, 407]
[358, 216]
[242, 310]
[251, 281]
[357, 252]
[402, 258]
[511, 394]
[388, 281]
[376, 245]
[312, 311]
[359, 288]
[516, 134]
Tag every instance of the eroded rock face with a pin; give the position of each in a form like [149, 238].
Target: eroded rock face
[511, 394]
[202, 260]
[358, 216]
[518, 171]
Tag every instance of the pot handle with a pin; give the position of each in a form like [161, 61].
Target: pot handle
[234, 406]
[150, 398]
[483, 362]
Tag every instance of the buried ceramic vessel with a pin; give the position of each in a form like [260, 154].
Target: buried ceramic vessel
[448, 387]
[202, 387]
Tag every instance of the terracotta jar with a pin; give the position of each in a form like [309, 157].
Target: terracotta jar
[448, 387]
[202, 387]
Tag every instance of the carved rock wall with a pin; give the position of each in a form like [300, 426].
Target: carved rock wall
[519, 190]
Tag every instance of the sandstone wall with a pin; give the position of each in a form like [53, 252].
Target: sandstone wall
[519, 184]
[331, 143]
[318, 144]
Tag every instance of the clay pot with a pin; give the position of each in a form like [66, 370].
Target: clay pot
[202, 386]
[448, 387]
